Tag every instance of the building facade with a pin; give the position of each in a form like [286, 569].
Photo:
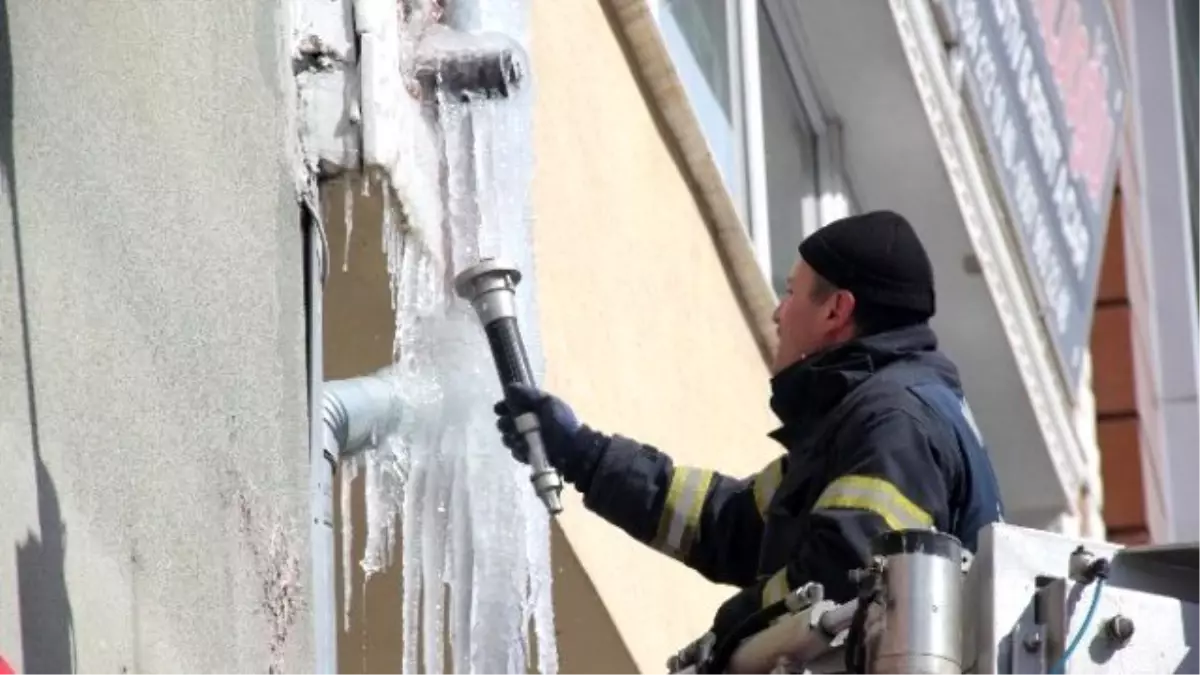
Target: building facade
[695, 147]
[153, 300]
[1146, 322]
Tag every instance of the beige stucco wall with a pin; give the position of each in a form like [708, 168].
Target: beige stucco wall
[153, 425]
[642, 332]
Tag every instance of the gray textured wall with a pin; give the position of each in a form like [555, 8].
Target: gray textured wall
[153, 510]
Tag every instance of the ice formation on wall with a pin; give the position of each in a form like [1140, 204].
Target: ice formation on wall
[474, 538]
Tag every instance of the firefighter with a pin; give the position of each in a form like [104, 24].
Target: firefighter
[877, 433]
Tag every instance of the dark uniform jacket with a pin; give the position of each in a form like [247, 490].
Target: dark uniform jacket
[878, 437]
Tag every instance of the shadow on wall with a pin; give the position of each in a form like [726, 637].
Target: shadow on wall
[47, 633]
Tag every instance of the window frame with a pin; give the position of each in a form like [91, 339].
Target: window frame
[833, 197]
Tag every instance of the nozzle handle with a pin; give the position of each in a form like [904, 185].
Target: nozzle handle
[546, 481]
[512, 364]
[508, 349]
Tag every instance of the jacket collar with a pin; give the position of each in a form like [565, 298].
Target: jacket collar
[806, 391]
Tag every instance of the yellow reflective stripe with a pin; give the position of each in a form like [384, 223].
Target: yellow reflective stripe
[680, 520]
[775, 588]
[766, 483]
[876, 495]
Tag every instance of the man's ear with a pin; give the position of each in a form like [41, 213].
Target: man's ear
[841, 310]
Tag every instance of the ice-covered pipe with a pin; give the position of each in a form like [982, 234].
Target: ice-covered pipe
[324, 597]
[345, 416]
[356, 412]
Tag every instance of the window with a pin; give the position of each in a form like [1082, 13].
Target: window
[703, 49]
[741, 63]
[790, 156]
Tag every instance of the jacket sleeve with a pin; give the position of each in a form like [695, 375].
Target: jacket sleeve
[711, 522]
[885, 476]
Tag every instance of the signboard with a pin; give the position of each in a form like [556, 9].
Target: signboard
[1046, 84]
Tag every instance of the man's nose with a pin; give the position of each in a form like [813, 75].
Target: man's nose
[775, 314]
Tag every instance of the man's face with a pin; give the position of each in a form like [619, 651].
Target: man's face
[807, 320]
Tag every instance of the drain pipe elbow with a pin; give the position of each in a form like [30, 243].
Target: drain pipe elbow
[357, 412]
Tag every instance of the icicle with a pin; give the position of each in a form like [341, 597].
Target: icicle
[474, 539]
[460, 581]
[484, 159]
[499, 542]
[541, 600]
[376, 508]
[469, 218]
[348, 218]
[412, 571]
[391, 485]
[349, 469]
[433, 550]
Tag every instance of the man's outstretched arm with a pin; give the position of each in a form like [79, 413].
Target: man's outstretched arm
[711, 522]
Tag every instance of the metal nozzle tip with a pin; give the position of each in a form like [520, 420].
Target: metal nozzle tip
[548, 486]
[465, 281]
[552, 502]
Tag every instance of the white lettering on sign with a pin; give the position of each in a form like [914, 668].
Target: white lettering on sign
[1014, 49]
[1047, 142]
[1047, 266]
[1075, 233]
[1050, 271]
[1026, 197]
[968, 20]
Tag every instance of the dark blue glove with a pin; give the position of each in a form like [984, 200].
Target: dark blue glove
[571, 447]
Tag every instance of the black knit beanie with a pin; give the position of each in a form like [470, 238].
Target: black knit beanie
[877, 257]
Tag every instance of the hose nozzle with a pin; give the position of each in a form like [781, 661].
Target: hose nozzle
[490, 287]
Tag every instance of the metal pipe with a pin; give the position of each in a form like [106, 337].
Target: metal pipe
[324, 594]
[345, 417]
[796, 638]
[353, 414]
[356, 413]
[918, 626]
